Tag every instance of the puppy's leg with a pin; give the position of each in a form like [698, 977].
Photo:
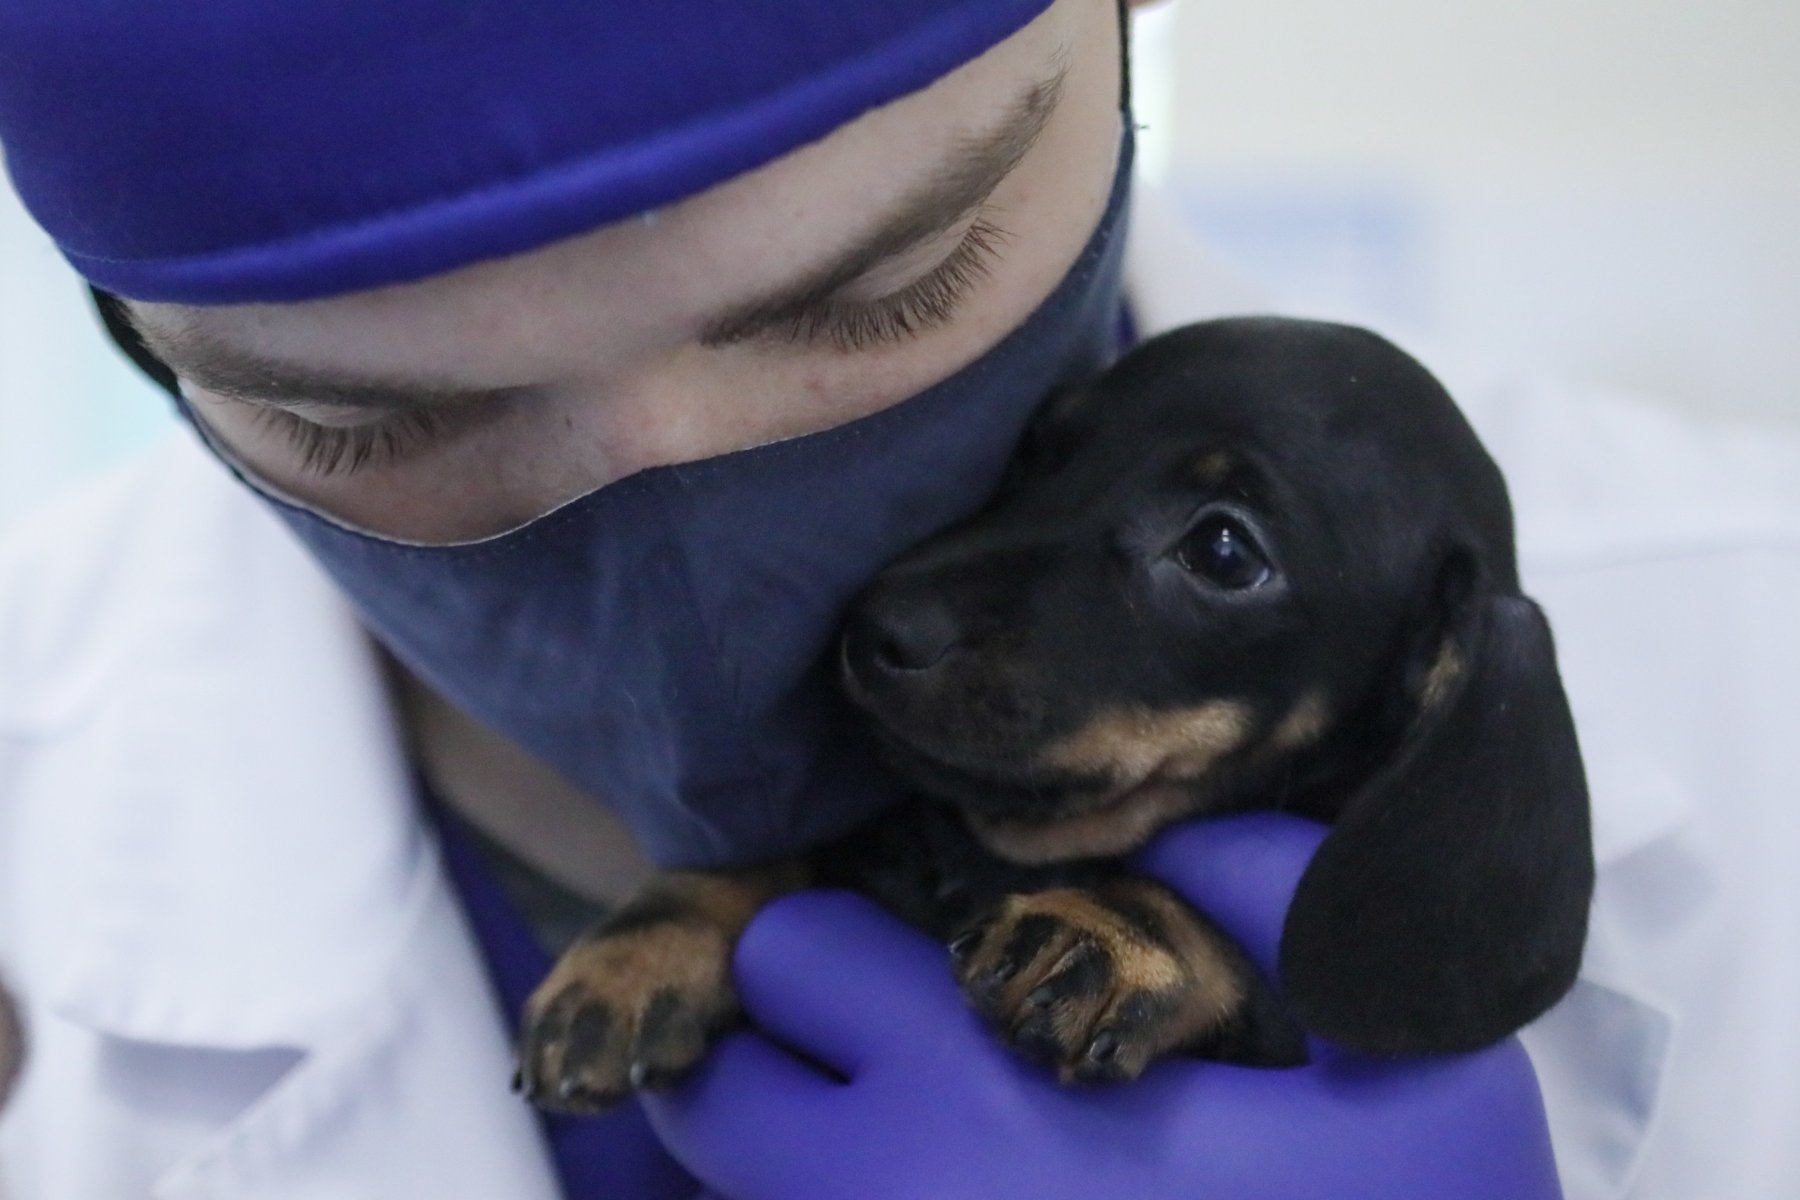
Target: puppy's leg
[1100, 980]
[637, 999]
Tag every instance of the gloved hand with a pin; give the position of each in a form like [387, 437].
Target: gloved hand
[930, 1106]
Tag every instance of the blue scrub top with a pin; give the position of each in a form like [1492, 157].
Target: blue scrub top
[610, 1157]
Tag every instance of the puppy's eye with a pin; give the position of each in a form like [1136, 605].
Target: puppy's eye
[1221, 550]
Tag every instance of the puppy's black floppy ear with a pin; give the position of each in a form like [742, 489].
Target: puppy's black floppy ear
[1448, 906]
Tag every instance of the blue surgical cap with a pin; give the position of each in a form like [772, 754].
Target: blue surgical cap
[230, 151]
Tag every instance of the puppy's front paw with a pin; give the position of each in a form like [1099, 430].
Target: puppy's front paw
[625, 1008]
[1098, 984]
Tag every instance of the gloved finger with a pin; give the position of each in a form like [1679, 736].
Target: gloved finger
[835, 977]
[747, 1114]
[1241, 871]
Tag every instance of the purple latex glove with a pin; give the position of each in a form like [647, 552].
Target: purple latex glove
[932, 1107]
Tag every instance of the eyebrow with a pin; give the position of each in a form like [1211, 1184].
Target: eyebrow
[959, 186]
[246, 375]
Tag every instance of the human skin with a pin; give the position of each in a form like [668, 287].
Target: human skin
[598, 344]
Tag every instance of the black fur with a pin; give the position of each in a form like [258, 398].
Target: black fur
[1448, 905]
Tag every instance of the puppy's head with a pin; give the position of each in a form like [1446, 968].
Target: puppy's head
[1202, 571]
[1261, 562]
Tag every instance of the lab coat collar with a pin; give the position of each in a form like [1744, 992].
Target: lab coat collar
[248, 825]
[249, 872]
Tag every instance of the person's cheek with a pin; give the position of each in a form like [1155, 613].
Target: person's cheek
[715, 402]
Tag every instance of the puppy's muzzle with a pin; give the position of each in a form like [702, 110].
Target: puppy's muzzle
[897, 639]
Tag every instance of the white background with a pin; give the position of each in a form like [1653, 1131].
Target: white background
[1609, 188]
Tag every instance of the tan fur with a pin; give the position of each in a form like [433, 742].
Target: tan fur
[728, 899]
[707, 912]
[1445, 670]
[1115, 828]
[620, 977]
[1151, 756]
[1139, 962]
[1215, 991]
[1211, 469]
[1191, 969]
[1133, 743]
[668, 955]
[1303, 724]
[683, 948]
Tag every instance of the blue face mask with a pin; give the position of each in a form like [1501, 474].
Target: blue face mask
[664, 642]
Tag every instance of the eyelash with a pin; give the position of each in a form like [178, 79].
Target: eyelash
[332, 450]
[926, 304]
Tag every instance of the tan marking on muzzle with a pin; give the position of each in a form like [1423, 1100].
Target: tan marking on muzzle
[1134, 743]
[1150, 756]
[1304, 724]
[1120, 826]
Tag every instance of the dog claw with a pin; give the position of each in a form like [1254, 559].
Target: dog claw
[648, 1078]
[1036, 1040]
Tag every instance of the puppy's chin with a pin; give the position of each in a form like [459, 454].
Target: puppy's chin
[1032, 818]
[1118, 825]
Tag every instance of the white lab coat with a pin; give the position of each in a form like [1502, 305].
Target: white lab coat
[244, 975]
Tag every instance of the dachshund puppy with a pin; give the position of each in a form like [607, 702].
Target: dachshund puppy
[1260, 563]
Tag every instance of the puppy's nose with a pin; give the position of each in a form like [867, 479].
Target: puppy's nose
[899, 635]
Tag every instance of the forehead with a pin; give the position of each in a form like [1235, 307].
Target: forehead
[647, 281]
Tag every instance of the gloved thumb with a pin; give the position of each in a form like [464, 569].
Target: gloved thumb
[1240, 870]
[834, 977]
